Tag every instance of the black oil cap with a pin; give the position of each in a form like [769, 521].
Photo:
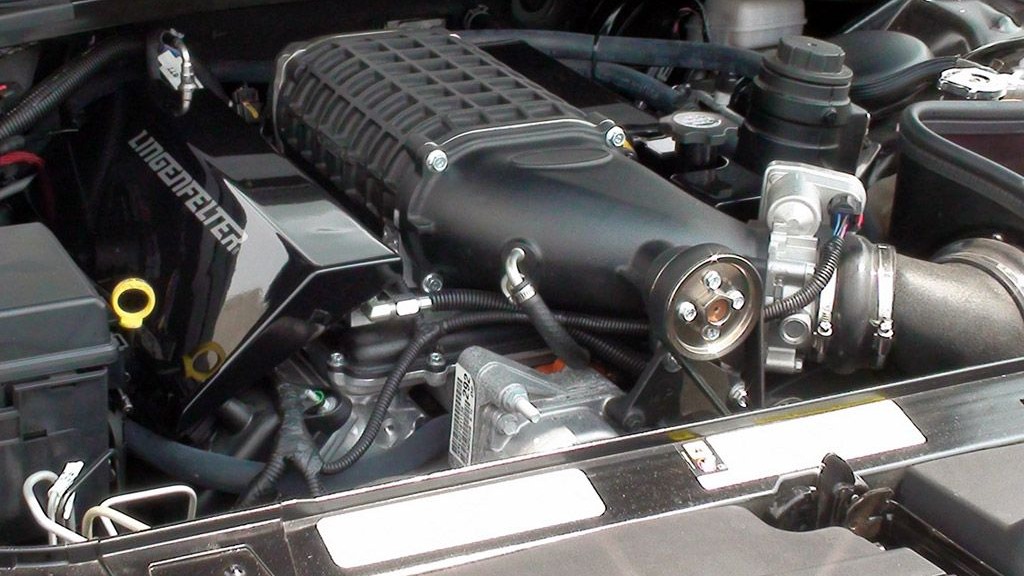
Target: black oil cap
[810, 60]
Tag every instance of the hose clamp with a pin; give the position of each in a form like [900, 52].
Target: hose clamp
[514, 284]
[886, 290]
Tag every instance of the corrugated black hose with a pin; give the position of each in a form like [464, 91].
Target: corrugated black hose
[822, 275]
[429, 334]
[46, 96]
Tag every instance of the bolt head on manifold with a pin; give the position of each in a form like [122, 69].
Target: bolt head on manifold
[701, 301]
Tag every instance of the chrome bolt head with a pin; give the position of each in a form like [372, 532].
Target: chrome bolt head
[686, 311]
[737, 299]
[615, 136]
[710, 333]
[712, 280]
[432, 283]
[437, 161]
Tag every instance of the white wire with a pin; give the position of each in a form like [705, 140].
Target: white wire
[34, 508]
[143, 495]
[110, 515]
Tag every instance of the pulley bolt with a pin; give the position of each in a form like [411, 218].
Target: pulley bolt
[336, 360]
[713, 280]
[615, 136]
[710, 333]
[686, 311]
[437, 161]
[737, 299]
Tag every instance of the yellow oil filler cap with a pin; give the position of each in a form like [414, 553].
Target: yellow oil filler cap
[140, 302]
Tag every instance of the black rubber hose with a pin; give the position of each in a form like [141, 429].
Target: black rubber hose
[631, 362]
[903, 82]
[232, 475]
[554, 334]
[822, 275]
[634, 51]
[629, 82]
[46, 96]
[480, 300]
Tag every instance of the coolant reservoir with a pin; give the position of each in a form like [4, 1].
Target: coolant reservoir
[751, 24]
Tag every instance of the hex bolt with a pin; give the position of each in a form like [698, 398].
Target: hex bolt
[825, 328]
[235, 570]
[437, 161]
[432, 283]
[712, 280]
[336, 360]
[615, 136]
[738, 394]
[710, 333]
[670, 364]
[686, 311]
[508, 425]
[737, 299]
[436, 362]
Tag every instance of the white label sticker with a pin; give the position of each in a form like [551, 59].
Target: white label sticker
[436, 522]
[460, 446]
[170, 68]
[800, 444]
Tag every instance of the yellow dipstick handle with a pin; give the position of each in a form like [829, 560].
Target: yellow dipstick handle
[133, 319]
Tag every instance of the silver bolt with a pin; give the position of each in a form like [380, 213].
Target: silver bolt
[737, 299]
[436, 361]
[508, 424]
[329, 404]
[710, 333]
[615, 136]
[824, 328]
[336, 360]
[738, 394]
[437, 161]
[713, 280]
[432, 282]
[670, 364]
[686, 311]
[235, 570]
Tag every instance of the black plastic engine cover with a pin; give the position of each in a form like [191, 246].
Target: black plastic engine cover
[249, 259]
[365, 111]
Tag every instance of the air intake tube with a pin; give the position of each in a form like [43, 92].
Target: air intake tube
[964, 308]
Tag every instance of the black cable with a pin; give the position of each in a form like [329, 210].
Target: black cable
[426, 335]
[625, 359]
[46, 96]
[83, 476]
[822, 275]
[479, 300]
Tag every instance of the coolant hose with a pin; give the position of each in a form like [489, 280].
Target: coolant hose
[554, 334]
[902, 83]
[633, 51]
[629, 82]
[46, 96]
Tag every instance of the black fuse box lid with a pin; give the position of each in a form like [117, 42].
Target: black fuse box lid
[51, 317]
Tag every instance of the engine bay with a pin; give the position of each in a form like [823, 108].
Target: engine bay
[282, 252]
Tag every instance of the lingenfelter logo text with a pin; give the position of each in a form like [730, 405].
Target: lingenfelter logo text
[196, 199]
